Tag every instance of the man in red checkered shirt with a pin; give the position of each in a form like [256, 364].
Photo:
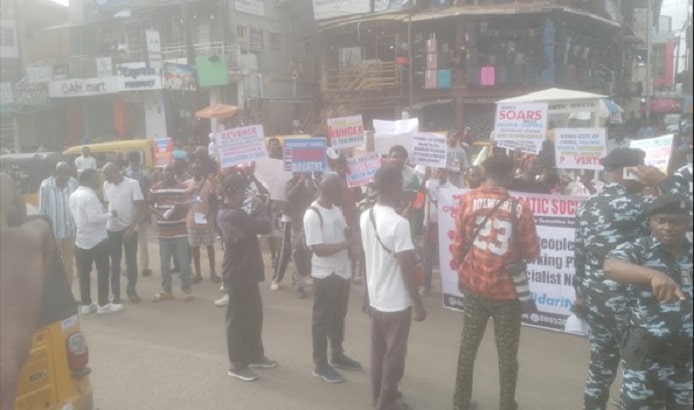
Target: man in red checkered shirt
[487, 234]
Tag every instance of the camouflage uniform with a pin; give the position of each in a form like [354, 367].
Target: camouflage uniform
[665, 377]
[604, 221]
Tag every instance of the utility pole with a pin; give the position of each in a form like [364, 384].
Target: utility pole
[649, 51]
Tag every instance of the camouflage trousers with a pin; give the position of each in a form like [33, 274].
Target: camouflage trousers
[667, 386]
[604, 360]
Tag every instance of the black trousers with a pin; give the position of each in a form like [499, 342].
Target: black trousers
[118, 245]
[244, 325]
[329, 311]
[84, 258]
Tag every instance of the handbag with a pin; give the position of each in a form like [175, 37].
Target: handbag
[418, 269]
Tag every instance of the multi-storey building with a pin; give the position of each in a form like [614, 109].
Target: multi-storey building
[447, 61]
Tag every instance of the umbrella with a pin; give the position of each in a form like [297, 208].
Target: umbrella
[218, 111]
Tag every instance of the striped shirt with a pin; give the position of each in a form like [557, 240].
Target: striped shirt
[54, 202]
[164, 198]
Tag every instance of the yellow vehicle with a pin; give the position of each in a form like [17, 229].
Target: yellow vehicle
[56, 373]
[116, 151]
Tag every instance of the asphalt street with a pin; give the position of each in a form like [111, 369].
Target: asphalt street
[172, 355]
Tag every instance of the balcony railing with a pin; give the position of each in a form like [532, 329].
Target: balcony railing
[370, 75]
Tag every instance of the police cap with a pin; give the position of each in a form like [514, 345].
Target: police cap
[670, 204]
[623, 157]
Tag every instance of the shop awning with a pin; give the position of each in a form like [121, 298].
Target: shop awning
[553, 94]
[218, 111]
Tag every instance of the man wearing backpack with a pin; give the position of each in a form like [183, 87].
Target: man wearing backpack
[329, 238]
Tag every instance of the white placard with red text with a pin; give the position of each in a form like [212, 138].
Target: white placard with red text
[362, 169]
[346, 132]
[550, 277]
[579, 148]
[240, 145]
[520, 126]
[658, 150]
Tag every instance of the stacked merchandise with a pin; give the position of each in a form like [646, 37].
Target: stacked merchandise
[438, 73]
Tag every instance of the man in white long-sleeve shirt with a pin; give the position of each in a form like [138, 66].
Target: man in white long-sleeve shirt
[91, 243]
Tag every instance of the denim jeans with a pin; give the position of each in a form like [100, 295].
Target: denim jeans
[169, 247]
[119, 244]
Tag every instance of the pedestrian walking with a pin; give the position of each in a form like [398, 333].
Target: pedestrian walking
[242, 271]
[490, 228]
[91, 243]
[657, 346]
[54, 201]
[329, 238]
[135, 171]
[123, 195]
[390, 272]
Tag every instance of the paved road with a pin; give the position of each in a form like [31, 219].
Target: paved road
[172, 355]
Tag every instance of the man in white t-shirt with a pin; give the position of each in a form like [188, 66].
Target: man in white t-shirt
[329, 238]
[390, 273]
[124, 196]
[85, 161]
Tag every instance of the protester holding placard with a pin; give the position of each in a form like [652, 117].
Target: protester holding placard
[456, 159]
[409, 209]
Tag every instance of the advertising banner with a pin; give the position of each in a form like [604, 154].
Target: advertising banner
[328, 9]
[256, 7]
[550, 276]
[40, 74]
[658, 150]
[579, 148]
[346, 132]
[389, 133]
[520, 125]
[162, 151]
[270, 172]
[429, 149]
[82, 87]
[240, 145]
[305, 155]
[362, 169]
[179, 77]
[153, 55]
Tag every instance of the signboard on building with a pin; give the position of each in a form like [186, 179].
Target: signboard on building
[384, 5]
[180, 77]
[256, 7]
[39, 74]
[8, 39]
[212, 71]
[329, 9]
[81, 87]
[138, 77]
[153, 54]
[104, 67]
[30, 95]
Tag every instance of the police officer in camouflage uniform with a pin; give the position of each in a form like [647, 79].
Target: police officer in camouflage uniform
[614, 216]
[657, 345]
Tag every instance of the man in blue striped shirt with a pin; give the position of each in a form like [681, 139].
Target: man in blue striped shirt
[53, 201]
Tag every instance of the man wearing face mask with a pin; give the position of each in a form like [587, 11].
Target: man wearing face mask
[604, 221]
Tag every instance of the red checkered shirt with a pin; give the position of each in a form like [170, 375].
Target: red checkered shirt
[483, 269]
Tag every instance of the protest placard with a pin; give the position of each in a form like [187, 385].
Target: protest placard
[270, 172]
[658, 150]
[429, 149]
[520, 126]
[240, 145]
[362, 169]
[346, 132]
[389, 133]
[306, 155]
[162, 150]
[579, 148]
[550, 277]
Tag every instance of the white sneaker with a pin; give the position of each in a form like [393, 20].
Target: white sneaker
[223, 301]
[274, 285]
[88, 309]
[109, 308]
[221, 288]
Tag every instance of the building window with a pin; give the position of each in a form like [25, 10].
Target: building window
[256, 38]
[658, 61]
[275, 43]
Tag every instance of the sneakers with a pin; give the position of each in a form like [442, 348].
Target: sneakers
[345, 363]
[222, 288]
[161, 296]
[187, 296]
[223, 301]
[109, 308]
[263, 363]
[328, 374]
[245, 374]
[274, 285]
[87, 309]
[300, 293]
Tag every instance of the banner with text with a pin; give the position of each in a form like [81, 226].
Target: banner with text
[550, 276]
[270, 172]
[362, 169]
[240, 145]
[579, 148]
[389, 133]
[346, 132]
[429, 149]
[305, 155]
[162, 150]
[520, 126]
[658, 150]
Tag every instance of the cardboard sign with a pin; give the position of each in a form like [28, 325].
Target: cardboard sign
[429, 149]
[305, 155]
[658, 150]
[270, 172]
[389, 133]
[520, 126]
[579, 148]
[240, 145]
[346, 132]
[162, 150]
[362, 169]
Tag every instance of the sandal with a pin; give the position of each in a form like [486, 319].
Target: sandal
[161, 296]
[187, 296]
